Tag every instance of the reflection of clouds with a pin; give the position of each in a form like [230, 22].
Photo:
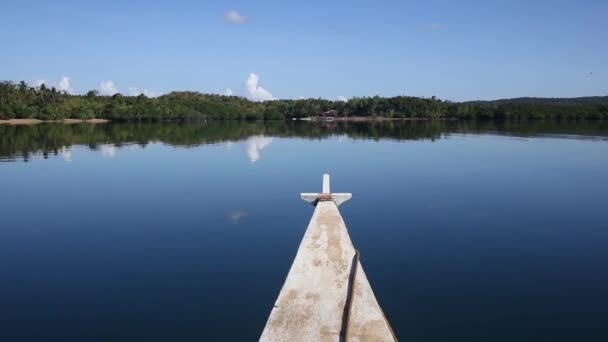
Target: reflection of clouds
[108, 151]
[342, 138]
[135, 147]
[66, 154]
[256, 144]
[236, 216]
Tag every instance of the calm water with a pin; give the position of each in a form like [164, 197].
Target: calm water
[167, 232]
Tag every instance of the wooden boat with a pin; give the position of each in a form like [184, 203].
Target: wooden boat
[326, 296]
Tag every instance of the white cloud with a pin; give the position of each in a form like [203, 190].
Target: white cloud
[342, 99]
[107, 88]
[62, 85]
[254, 91]
[108, 151]
[152, 93]
[255, 145]
[301, 97]
[435, 27]
[228, 92]
[234, 17]
[133, 91]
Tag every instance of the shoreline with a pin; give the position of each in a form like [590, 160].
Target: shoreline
[99, 121]
[37, 122]
[370, 118]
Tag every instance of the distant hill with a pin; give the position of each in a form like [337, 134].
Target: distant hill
[587, 100]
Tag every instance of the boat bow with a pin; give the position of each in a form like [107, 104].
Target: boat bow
[326, 296]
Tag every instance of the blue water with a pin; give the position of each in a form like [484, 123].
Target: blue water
[166, 232]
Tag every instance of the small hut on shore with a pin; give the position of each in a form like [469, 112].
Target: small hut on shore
[329, 115]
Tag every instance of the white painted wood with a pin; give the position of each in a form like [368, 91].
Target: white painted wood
[326, 189]
[311, 304]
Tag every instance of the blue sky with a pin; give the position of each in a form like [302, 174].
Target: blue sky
[457, 50]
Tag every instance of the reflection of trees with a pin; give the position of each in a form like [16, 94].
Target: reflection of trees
[47, 139]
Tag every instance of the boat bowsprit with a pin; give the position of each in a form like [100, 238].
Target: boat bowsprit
[326, 296]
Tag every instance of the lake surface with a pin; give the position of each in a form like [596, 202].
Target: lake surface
[185, 232]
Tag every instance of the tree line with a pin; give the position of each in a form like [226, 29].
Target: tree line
[22, 101]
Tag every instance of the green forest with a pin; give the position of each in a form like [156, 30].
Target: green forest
[22, 101]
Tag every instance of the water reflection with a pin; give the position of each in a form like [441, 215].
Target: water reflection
[474, 227]
[55, 139]
[66, 154]
[236, 216]
[108, 151]
[255, 145]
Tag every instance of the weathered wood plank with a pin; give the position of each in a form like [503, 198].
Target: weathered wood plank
[312, 304]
